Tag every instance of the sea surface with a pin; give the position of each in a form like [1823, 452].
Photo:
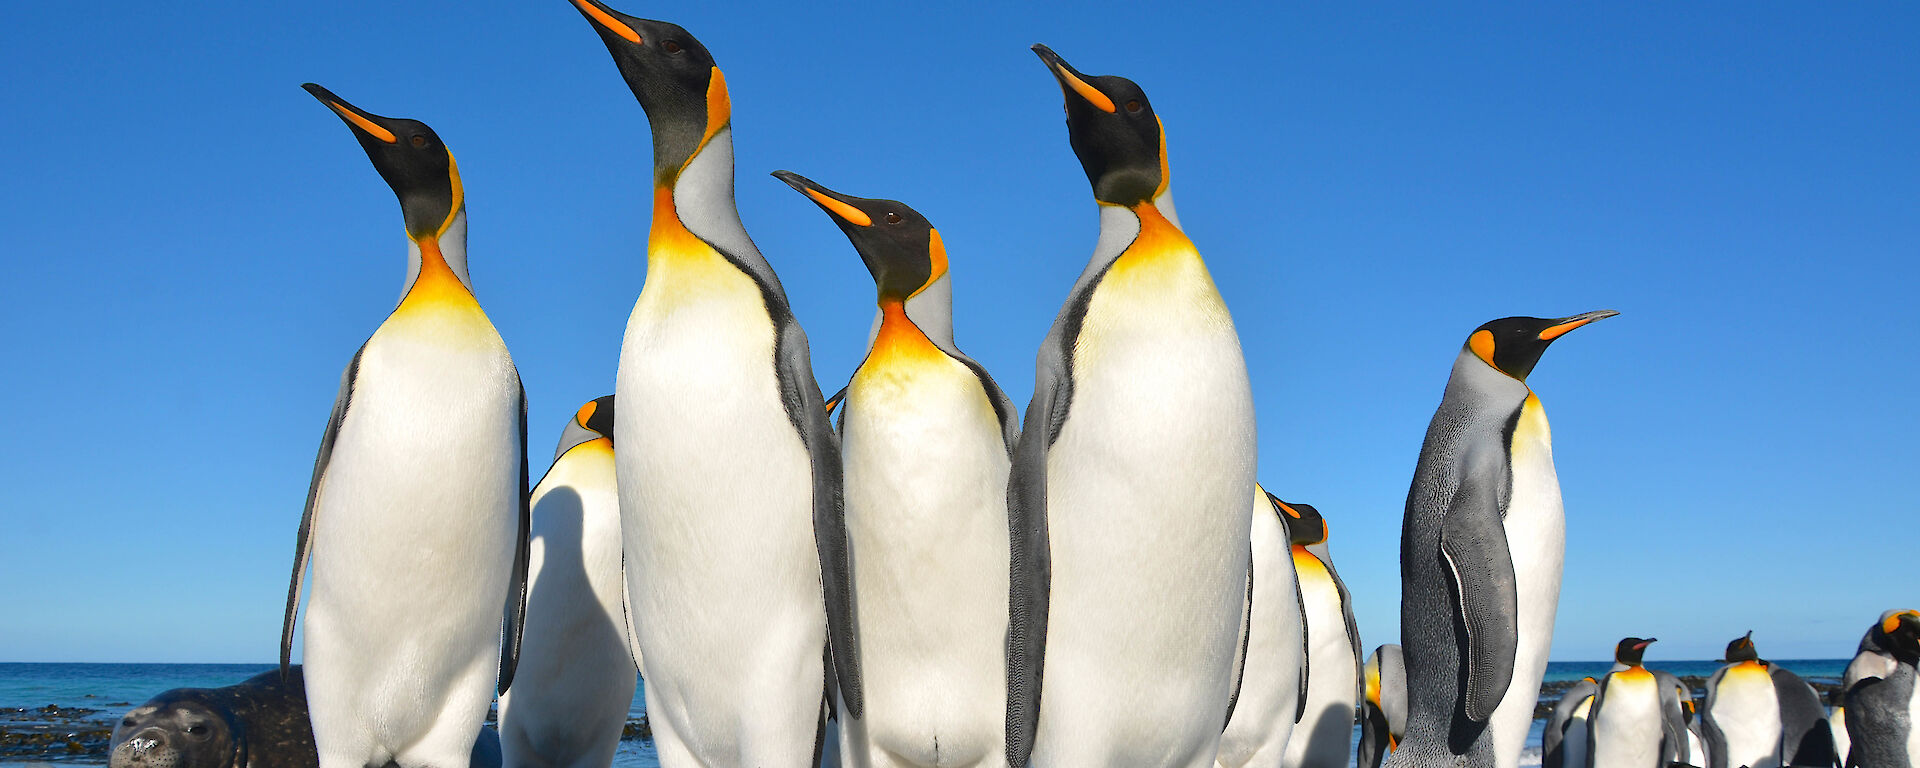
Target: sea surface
[115, 688]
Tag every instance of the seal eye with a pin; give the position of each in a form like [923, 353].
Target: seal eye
[894, 218]
[1133, 105]
[197, 729]
[127, 721]
[419, 141]
[671, 46]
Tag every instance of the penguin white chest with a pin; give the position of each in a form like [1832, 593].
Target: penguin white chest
[926, 477]
[1627, 726]
[1536, 539]
[1747, 711]
[1148, 513]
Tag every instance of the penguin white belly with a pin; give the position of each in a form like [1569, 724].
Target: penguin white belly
[716, 511]
[1324, 735]
[926, 479]
[1696, 750]
[1270, 684]
[413, 546]
[1148, 514]
[1747, 711]
[1837, 723]
[570, 697]
[1536, 538]
[1574, 741]
[1627, 727]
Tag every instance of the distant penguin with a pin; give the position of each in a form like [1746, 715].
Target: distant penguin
[1480, 553]
[1837, 722]
[1324, 736]
[577, 669]
[1634, 719]
[1130, 490]
[1383, 713]
[418, 506]
[1761, 715]
[1563, 742]
[1695, 736]
[926, 439]
[1883, 714]
[728, 469]
[1272, 682]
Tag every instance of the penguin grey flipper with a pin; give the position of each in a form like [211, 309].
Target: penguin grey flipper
[1716, 738]
[1353, 633]
[303, 546]
[808, 410]
[626, 614]
[1240, 654]
[1552, 753]
[1803, 740]
[1306, 663]
[1030, 576]
[1473, 541]
[1672, 722]
[513, 623]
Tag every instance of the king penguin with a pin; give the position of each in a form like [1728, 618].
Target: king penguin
[1272, 692]
[577, 666]
[1483, 536]
[1335, 686]
[729, 472]
[1883, 714]
[1383, 713]
[926, 439]
[1635, 721]
[421, 481]
[1130, 496]
[1563, 742]
[1761, 715]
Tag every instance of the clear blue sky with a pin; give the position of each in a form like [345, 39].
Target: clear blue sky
[195, 248]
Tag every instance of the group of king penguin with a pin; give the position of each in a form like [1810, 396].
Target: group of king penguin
[1754, 713]
[928, 580]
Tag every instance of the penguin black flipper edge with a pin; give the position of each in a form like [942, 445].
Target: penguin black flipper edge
[1030, 558]
[303, 546]
[1306, 650]
[808, 409]
[1353, 634]
[1473, 541]
[513, 621]
[1716, 738]
[1240, 653]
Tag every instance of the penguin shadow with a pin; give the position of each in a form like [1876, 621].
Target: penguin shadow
[561, 590]
[1332, 734]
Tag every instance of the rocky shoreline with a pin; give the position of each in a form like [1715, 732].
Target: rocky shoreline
[81, 734]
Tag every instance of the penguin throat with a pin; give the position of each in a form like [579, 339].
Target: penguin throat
[436, 286]
[670, 243]
[899, 339]
[1159, 251]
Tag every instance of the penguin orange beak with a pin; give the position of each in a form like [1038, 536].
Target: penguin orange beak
[356, 118]
[598, 14]
[1071, 81]
[1644, 643]
[830, 201]
[1565, 324]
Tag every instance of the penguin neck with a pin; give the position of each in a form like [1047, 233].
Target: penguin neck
[437, 269]
[930, 311]
[899, 339]
[1489, 389]
[1128, 230]
[695, 218]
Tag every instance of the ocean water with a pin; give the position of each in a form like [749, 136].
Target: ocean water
[115, 688]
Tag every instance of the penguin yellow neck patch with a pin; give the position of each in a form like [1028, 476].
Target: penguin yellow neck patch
[1158, 246]
[436, 287]
[900, 341]
[681, 266]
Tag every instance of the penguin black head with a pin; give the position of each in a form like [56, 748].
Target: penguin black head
[1119, 139]
[1305, 526]
[1631, 650]
[1512, 345]
[413, 160]
[1899, 633]
[597, 416]
[901, 248]
[674, 78]
[1741, 649]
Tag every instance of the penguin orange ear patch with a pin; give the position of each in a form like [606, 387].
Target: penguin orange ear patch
[586, 412]
[1481, 342]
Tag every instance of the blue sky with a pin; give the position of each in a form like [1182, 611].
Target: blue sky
[195, 248]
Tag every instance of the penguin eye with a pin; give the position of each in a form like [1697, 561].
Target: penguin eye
[894, 218]
[419, 141]
[1133, 105]
[671, 46]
